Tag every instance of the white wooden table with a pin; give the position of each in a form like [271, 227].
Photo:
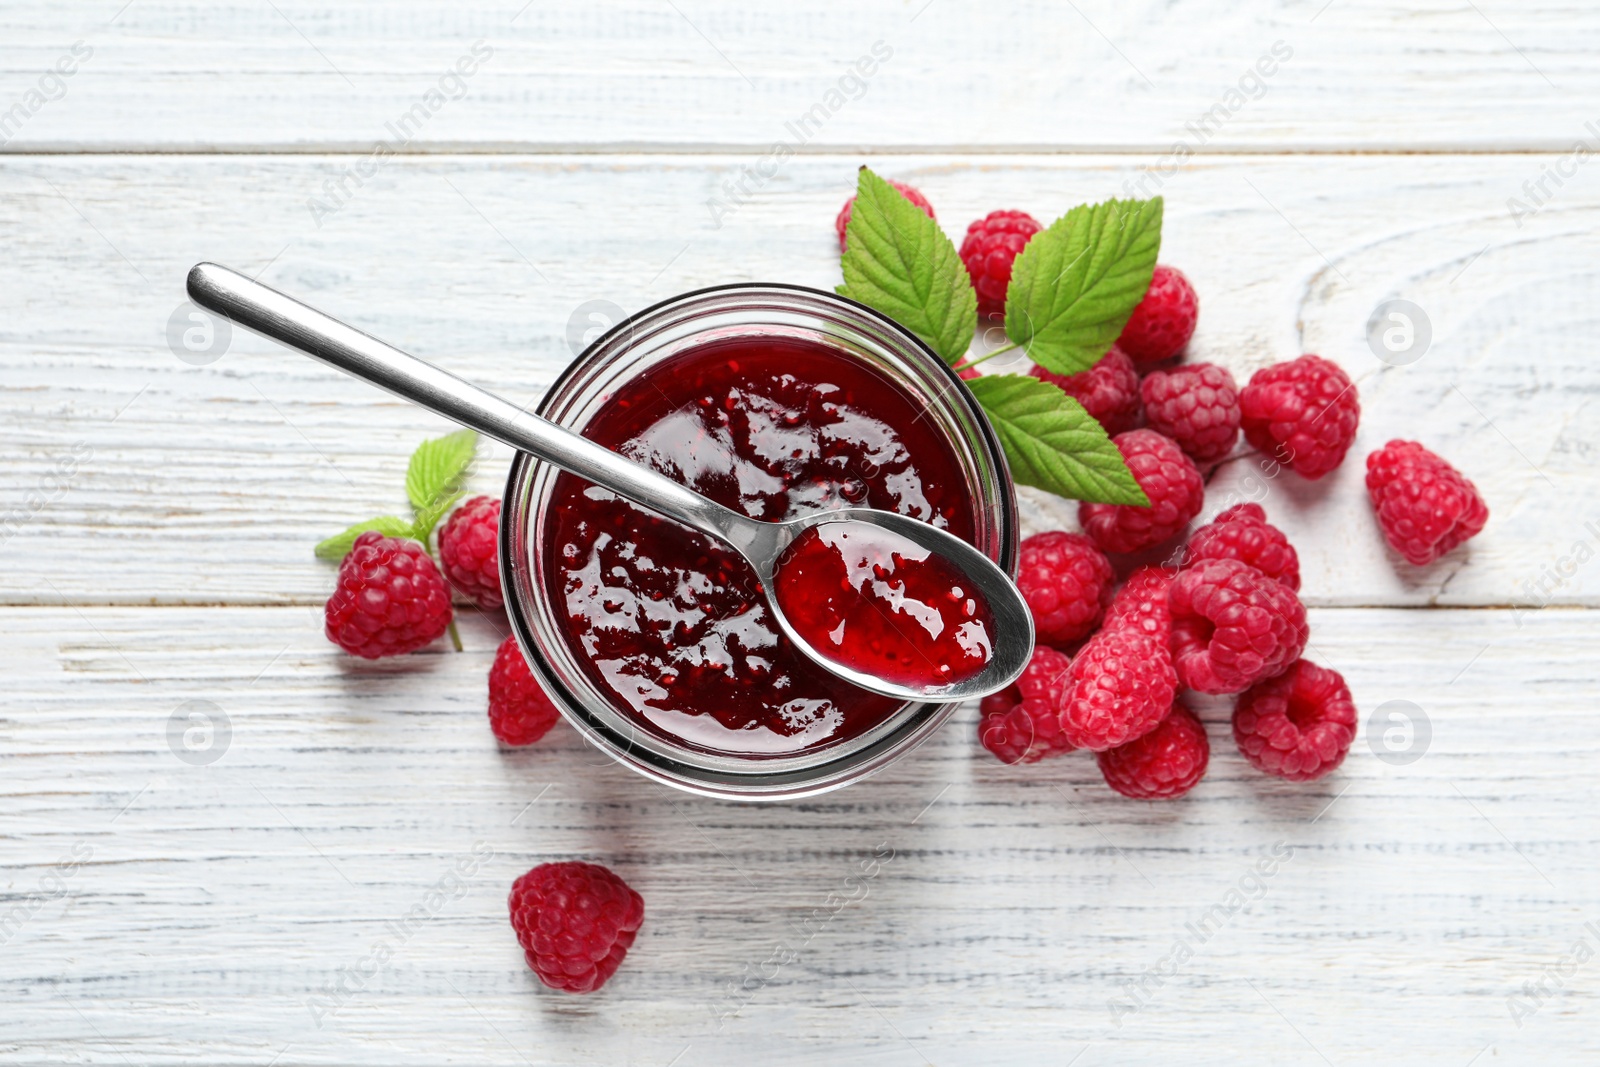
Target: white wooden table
[159, 518]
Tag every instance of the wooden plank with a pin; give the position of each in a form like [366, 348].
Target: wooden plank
[1143, 76]
[211, 905]
[135, 477]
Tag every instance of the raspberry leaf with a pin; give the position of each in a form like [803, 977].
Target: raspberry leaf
[428, 517]
[1052, 443]
[1075, 284]
[898, 261]
[338, 546]
[437, 467]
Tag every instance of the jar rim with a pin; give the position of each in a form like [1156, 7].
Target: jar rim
[807, 772]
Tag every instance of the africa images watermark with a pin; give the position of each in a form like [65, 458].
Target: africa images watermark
[1538, 190]
[1550, 981]
[50, 488]
[52, 85]
[53, 886]
[1555, 574]
[451, 85]
[852, 85]
[355, 977]
[1252, 85]
[1139, 992]
[787, 951]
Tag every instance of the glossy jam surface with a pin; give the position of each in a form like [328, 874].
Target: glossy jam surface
[876, 602]
[671, 624]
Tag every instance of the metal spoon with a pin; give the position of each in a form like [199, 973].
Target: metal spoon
[287, 321]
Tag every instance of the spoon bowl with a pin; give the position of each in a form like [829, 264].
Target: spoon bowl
[288, 321]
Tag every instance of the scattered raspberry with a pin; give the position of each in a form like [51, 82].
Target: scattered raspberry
[909, 192]
[1425, 506]
[1167, 476]
[1165, 763]
[1242, 532]
[1197, 406]
[1164, 320]
[1302, 413]
[1118, 689]
[1109, 390]
[1233, 626]
[389, 599]
[992, 244]
[575, 922]
[1298, 725]
[966, 374]
[469, 551]
[1022, 724]
[1141, 604]
[1066, 581]
[520, 712]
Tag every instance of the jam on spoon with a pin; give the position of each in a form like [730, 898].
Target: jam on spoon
[876, 602]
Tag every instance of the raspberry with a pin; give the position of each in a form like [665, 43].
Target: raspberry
[469, 551]
[520, 712]
[1303, 413]
[1168, 477]
[1165, 763]
[1298, 725]
[1242, 532]
[1066, 581]
[1022, 724]
[1197, 406]
[1118, 689]
[1233, 626]
[992, 244]
[575, 922]
[389, 599]
[1109, 390]
[1141, 604]
[1425, 506]
[1164, 320]
[912, 194]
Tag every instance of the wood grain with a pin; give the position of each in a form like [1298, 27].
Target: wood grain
[1425, 75]
[216, 900]
[218, 479]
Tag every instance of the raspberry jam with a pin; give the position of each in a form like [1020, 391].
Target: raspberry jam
[672, 625]
[878, 603]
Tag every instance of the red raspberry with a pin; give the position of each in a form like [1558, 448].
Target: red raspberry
[575, 922]
[389, 599]
[1298, 725]
[1302, 413]
[1168, 477]
[910, 193]
[1066, 581]
[469, 551]
[1233, 626]
[1195, 405]
[1022, 724]
[1141, 604]
[520, 712]
[1118, 689]
[992, 244]
[1165, 763]
[1425, 506]
[1164, 320]
[1242, 532]
[1109, 390]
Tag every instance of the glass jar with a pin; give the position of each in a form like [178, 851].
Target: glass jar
[630, 349]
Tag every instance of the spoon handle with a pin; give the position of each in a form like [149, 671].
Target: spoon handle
[286, 320]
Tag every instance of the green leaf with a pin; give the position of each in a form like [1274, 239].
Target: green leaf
[428, 517]
[1052, 443]
[898, 261]
[336, 547]
[437, 467]
[1076, 283]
